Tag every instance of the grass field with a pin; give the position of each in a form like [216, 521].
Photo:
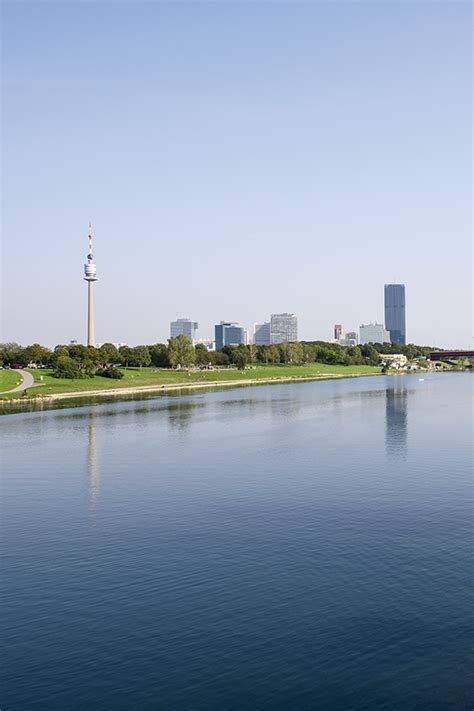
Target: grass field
[9, 379]
[134, 377]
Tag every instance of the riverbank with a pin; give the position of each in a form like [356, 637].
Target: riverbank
[173, 381]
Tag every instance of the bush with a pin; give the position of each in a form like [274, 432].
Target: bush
[110, 372]
[66, 367]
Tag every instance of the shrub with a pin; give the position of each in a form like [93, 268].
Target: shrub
[66, 367]
[110, 372]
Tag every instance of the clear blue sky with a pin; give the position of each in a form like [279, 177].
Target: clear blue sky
[236, 159]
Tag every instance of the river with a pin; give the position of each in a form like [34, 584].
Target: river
[297, 546]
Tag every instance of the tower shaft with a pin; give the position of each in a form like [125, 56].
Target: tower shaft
[90, 314]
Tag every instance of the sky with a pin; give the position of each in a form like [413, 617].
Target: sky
[236, 159]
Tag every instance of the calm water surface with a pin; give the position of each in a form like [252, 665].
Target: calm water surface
[304, 546]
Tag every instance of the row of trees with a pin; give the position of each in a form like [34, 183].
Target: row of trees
[84, 361]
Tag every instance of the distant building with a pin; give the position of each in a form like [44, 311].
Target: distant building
[261, 334]
[352, 337]
[395, 318]
[207, 343]
[229, 334]
[117, 345]
[338, 332]
[184, 326]
[373, 333]
[283, 327]
[394, 360]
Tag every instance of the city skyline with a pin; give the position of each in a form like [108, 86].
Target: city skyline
[309, 176]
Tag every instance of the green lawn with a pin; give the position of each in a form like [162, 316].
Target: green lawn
[134, 377]
[9, 379]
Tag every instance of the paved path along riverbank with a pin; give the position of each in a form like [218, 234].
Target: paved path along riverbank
[28, 382]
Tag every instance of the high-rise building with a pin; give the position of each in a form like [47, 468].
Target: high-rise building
[261, 334]
[338, 332]
[90, 276]
[283, 327]
[373, 333]
[229, 334]
[184, 326]
[395, 318]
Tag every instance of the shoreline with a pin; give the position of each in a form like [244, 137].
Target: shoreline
[172, 387]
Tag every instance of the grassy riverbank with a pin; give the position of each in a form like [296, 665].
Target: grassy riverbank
[150, 378]
[9, 379]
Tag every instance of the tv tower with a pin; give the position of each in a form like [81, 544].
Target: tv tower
[90, 272]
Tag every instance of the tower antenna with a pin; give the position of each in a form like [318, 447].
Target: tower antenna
[90, 241]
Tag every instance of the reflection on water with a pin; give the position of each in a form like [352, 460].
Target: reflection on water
[180, 414]
[92, 466]
[396, 421]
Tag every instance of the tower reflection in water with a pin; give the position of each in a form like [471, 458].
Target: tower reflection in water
[92, 467]
[396, 421]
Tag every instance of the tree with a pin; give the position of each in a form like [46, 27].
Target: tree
[140, 356]
[84, 358]
[93, 355]
[66, 367]
[108, 354]
[252, 351]
[221, 358]
[325, 354]
[284, 349]
[274, 353]
[159, 355]
[125, 355]
[370, 354]
[308, 352]
[230, 352]
[354, 355]
[295, 353]
[202, 354]
[241, 357]
[59, 352]
[180, 351]
[37, 354]
[79, 353]
[263, 354]
[11, 353]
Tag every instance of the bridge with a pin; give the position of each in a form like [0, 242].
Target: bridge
[450, 355]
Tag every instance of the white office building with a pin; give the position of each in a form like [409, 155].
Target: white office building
[373, 333]
[283, 327]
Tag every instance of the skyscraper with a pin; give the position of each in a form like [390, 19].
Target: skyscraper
[338, 332]
[261, 334]
[283, 327]
[90, 272]
[229, 334]
[184, 326]
[395, 313]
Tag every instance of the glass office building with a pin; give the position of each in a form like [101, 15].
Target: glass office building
[283, 327]
[184, 326]
[261, 334]
[395, 313]
[229, 334]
